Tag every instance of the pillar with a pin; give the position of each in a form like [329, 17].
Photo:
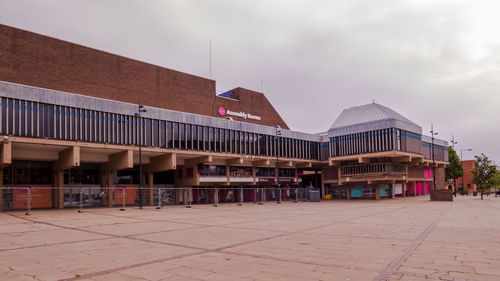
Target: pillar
[110, 184]
[377, 192]
[322, 185]
[414, 188]
[151, 189]
[186, 196]
[1, 188]
[216, 196]
[391, 190]
[58, 176]
[348, 188]
[241, 195]
[404, 185]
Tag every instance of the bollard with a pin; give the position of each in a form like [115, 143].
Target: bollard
[190, 197]
[81, 201]
[28, 213]
[123, 200]
[216, 197]
[159, 198]
[261, 196]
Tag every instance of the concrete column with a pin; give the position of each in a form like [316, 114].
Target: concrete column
[59, 186]
[404, 185]
[186, 196]
[348, 192]
[1, 188]
[216, 196]
[391, 190]
[322, 184]
[151, 188]
[110, 184]
[414, 188]
[377, 192]
[178, 194]
[241, 195]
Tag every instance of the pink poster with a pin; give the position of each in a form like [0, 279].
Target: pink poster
[418, 188]
[410, 189]
[427, 188]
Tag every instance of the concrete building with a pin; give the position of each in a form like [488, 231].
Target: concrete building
[71, 133]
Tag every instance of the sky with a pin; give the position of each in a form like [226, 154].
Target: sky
[435, 62]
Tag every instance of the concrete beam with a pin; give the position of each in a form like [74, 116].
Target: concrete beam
[401, 159]
[120, 161]
[5, 154]
[285, 164]
[363, 160]
[261, 163]
[162, 163]
[195, 161]
[234, 161]
[303, 165]
[68, 158]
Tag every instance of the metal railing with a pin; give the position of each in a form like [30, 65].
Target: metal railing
[373, 168]
[80, 197]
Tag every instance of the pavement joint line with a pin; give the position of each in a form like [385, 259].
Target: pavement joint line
[428, 276]
[216, 250]
[384, 275]
[111, 236]
[200, 250]
[112, 270]
[55, 244]
[349, 267]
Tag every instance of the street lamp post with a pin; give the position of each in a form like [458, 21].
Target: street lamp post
[461, 152]
[278, 133]
[453, 142]
[433, 133]
[140, 110]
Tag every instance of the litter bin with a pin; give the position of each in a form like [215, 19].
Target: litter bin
[314, 195]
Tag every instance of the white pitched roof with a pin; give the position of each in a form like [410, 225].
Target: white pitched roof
[369, 117]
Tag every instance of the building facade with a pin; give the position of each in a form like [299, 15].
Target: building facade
[464, 183]
[69, 117]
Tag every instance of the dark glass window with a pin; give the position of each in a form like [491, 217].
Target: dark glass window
[175, 134]
[155, 130]
[241, 172]
[212, 170]
[182, 138]
[265, 172]
[189, 136]
[286, 172]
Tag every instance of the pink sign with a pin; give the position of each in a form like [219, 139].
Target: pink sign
[222, 111]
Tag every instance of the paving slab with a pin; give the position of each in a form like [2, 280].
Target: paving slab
[400, 239]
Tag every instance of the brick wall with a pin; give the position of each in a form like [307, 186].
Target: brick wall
[251, 102]
[36, 60]
[467, 178]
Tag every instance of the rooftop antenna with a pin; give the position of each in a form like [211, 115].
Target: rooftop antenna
[210, 58]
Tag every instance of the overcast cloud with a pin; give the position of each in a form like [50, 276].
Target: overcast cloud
[432, 61]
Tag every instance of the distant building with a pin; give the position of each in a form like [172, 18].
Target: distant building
[465, 183]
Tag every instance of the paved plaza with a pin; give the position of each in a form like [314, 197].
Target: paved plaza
[399, 239]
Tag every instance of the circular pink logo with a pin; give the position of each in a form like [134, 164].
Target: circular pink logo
[222, 111]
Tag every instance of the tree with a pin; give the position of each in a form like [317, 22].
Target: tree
[483, 173]
[454, 169]
[496, 180]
